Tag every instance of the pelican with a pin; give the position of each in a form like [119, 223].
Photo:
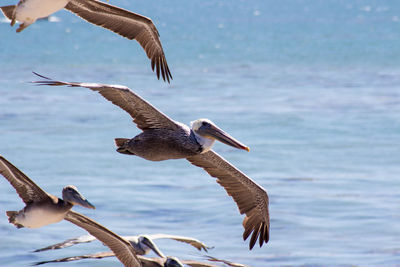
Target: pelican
[162, 139]
[41, 208]
[122, 249]
[154, 262]
[142, 244]
[118, 20]
[146, 262]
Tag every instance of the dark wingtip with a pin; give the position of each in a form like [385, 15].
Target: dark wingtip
[48, 81]
[167, 71]
[41, 76]
[38, 263]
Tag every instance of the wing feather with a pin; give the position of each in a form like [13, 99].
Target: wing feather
[194, 263]
[98, 255]
[122, 248]
[250, 198]
[229, 263]
[27, 190]
[68, 243]
[126, 24]
[143, 113]
[189, 240]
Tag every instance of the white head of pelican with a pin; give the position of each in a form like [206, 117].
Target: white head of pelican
[163, 138]
[41, 208]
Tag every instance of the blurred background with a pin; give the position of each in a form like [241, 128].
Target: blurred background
[311, 86]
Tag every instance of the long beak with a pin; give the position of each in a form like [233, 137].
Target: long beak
[218, 134]
[78, 199]
[146, 241]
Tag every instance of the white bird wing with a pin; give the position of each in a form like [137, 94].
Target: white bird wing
[126, 24]
[68, 243]
[25, 187]
[250, 198]
[189, 240]
[122, 248]
[143, 113]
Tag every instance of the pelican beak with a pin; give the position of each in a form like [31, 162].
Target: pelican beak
[85, 203]
[212, 131]
[77, 199]
[146, 241]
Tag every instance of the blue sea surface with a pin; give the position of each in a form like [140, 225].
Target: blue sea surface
[311, 86]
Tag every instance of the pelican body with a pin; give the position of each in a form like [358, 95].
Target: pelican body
[161, 144]
[123, 22]
[163, 138]
[28, 11]
[41, 208]
[39, 214]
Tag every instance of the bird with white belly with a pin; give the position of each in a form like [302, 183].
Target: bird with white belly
[163, 138]
[41, 208]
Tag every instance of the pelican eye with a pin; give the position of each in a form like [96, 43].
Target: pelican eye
[204, 123]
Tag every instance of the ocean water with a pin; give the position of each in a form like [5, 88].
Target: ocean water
[312, 87]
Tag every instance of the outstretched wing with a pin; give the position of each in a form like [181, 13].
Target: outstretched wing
[250, 198]
[68, 243]
[194, 263]
[189, 240]
[98, 255]
[122, 248]
[229, 263]
[127, 24]
[143, 113]
[25, 187]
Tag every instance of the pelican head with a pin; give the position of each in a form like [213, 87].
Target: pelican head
[145, 243]
[172, 262]
[209, 132]
[71, 195]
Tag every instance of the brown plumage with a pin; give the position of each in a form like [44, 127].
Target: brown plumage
[142, 244]
[123, 22]
[41, 208]
[126, 24]
[162, 138]
[122, 249]
[144, 261]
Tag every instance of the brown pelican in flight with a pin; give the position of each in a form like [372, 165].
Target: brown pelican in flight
[155, 262]
[142, 244]
[121, 248]
[118, 20]
[149, 262]
[41, 208]
[163, 138]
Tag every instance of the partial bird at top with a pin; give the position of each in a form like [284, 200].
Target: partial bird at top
[163, 138]
[118, 20]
